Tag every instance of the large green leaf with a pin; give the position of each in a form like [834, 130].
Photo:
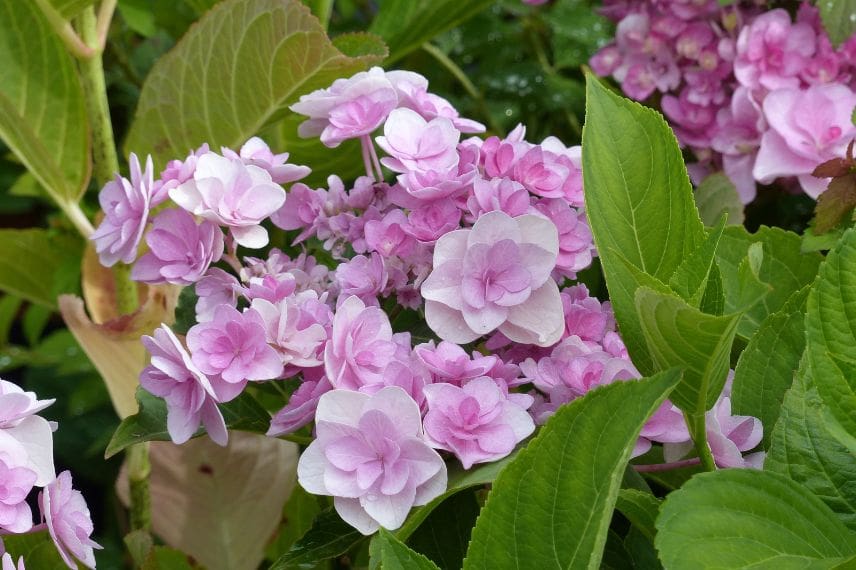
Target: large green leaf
[638, 198]
[690, 279]
[38, 265]
[766, 367]
[235, 72]
[328, 537]
[445, 534]
[783, 268]
[741, 518]
[70, 8]
[804, 450]
[42, 114]
[831, 331]
[407, 24]
[640, 508]
[680, 335]
[551, 507]
[715, 196]
[392, 554]
[837, 17]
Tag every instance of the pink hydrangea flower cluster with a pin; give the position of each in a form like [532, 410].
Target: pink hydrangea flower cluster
[26, 464]
[753, 93]
[465, 241]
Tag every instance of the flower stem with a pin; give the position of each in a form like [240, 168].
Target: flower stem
[696, 426]
[105, 162]
[139, 469]
[656, 467]
[365, 142]
[465, 82]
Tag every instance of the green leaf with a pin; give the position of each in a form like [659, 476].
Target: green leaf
[42, 113]
[297, 516]
[803, 450]
[37, 549]
[679, 335]
[766, 367]
[328, 537]
[751, 289]
[70, 8]
[639, 202]
[139, 16]
[783, 267]
[837, 17]
[691, 278]
[243, 413]
[9, 307]
[235, 72]
[395, 555]
[551, 507]
[163, 558]
[459, 480]
[640, 508]
[831, 331]
[739, 518]
[716, 195]
[35, 264]
[444, 535]
[407, 24]
[185, 310]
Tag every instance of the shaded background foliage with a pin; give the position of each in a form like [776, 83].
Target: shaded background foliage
[505, 63]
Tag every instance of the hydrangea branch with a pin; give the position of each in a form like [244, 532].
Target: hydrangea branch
[105, 166]
[698, 431]
[464, 80]
[79, 47]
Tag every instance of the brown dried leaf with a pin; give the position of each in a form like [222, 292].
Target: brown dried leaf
[835, 203]
[220, 505]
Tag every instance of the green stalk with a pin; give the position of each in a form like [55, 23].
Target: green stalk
[465, 82]
[697, 429]
[105, 161]
[139, 469]
[105, 164]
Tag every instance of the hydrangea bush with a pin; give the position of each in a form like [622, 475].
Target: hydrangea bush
[461, 347]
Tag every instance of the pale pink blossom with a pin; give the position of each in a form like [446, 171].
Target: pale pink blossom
[214, 289]
[428, 222]
[666, 425]
[9, 563]
[576, 243]
[585, 316]
[360, 347]
[387, 236]
[362, 276]
[29, 444]
[728, 437]
[180, 250]
[349, 108]
[301, 406]
[416, 144]
[191, 398]
[16, 404]
[69, 522]
[772, 51]
[451, 364]
[17, 479]
[477, 422]
[256, 152]
[807, 127]
[501, 194]
[412, 91]
[233, 345]
[496, 276]
[232, 194]
[126, 205]
[292, 331]
[369, 454]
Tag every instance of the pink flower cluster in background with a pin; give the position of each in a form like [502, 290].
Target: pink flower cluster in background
[756, 94]
[447, 248]
[26, 464]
